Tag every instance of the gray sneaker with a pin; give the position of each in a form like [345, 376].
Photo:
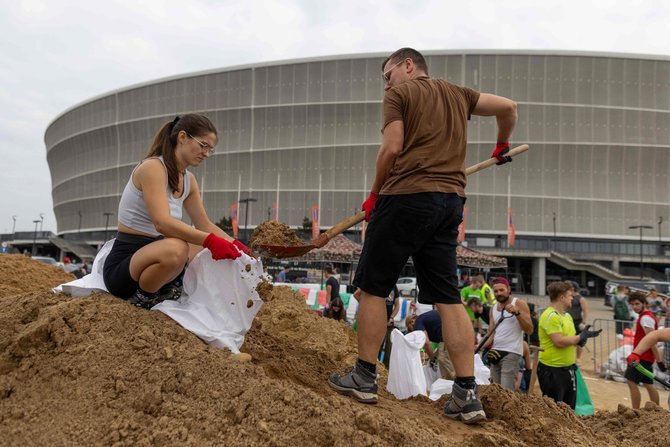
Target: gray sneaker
[465, 405]
[358, 383]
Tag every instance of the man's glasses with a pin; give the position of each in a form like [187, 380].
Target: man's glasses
[204, 146]
[387, 74]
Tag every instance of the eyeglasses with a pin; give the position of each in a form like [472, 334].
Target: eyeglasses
[387, 74]
[204, 146]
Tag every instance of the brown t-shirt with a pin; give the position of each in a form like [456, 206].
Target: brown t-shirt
[435, 114]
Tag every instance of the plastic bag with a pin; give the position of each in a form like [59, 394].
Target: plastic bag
[431, 375]
[220, 301]
[442, 386]
[406, 377]
[584, 405]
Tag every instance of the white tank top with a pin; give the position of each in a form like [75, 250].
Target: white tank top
[133, 210]
[508, 335]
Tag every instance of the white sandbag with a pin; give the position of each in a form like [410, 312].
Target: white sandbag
[92, 282]
[431, 374]
[482, 372]
[442, 386]
[406, 377]
[219, 301]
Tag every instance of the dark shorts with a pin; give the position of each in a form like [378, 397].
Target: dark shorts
[559, 383]
[636, 376]
[423, 226]
[116, 271]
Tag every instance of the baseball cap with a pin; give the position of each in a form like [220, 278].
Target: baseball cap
[575, 285]
[500, 280]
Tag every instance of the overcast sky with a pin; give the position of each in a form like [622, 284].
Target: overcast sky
[55, 54]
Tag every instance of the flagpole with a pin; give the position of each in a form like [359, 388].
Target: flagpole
[319, 202]
[277, 201]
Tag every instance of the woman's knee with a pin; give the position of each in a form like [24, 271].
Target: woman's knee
[176, 252]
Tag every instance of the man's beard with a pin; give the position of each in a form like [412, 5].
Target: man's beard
[503, 299]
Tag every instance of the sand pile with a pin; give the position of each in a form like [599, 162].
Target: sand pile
[21, 274]
[95, 370]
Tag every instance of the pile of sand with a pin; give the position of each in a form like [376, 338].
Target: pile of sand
[96, 370]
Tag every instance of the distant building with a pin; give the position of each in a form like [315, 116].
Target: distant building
[598, 125]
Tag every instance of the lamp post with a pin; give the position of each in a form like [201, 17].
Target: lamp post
[554, 219]
[246, 216]
[660, 221]
[107, 214]
[41, 222]
[34, 251]
[14, 227]
[641, 227]
[79, 227]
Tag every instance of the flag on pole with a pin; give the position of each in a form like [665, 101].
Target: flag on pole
[233, 212]
[275, 212]
[511, 231]
[461, 227]
[315, 221]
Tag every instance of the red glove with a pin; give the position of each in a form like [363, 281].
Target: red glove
[500, 152]
[220, 248]
[369, 205]
[633, 357]
[243, 248]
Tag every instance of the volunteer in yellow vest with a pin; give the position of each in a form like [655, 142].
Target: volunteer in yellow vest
[556, 366]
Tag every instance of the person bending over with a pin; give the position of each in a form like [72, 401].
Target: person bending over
[153, 245]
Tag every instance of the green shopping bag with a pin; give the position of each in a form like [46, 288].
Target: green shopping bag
[584, 406]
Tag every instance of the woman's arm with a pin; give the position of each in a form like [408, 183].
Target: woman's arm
[196, 211]
[151, 178]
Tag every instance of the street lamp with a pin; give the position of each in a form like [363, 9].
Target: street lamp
[641, 227]
[79, 227]
[246, 216]
[107, 223]
[41, 222]
[554, 218]
[14, 227]
[34, 251]
[660, 221]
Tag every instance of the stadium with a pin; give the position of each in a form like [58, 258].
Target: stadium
[305, 132]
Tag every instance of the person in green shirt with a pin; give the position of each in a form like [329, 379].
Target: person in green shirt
[472, 290]
[556, 366]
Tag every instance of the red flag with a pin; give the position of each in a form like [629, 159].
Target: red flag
[511, 231]
[315, 221]
[233, 213]
[461, 227]
[275, 208]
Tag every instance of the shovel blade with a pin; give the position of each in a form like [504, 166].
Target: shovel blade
[283, 251]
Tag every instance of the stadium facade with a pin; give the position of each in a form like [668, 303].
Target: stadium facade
[308, 131]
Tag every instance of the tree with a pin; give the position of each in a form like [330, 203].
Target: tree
[306, 229]
[226, 224]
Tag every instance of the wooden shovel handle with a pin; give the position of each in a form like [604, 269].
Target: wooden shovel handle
[491, 161]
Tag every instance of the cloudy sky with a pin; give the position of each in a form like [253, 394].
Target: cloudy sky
[57, 54]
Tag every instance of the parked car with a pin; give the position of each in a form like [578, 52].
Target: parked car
[47, 260]
[662, 287]
[407, 286]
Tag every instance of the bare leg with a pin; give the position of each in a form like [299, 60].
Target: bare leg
[192, 251]
[634, 395]
[158, 263]
[653, 393]
[371, 326]
[458, 338]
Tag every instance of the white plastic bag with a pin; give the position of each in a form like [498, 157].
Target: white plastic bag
[431, 375]
[442, 386]
[406, 377]
[220, 301]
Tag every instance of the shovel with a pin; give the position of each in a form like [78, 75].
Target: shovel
[292, 251]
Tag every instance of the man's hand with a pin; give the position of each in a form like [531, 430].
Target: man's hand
[433, 364]
[369, 205]
[633, 358]
[220, 248]
[500, 152]
[586, 334]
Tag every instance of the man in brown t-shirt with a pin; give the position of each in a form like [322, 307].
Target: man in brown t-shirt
[417, 198]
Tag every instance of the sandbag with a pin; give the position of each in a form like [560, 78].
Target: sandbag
[220, 300]
[584, 405]
[406, 377]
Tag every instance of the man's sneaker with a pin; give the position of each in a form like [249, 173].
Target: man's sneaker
[357, 383]
[145, 301]
[465, 405]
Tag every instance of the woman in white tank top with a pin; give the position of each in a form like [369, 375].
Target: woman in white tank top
[153, 245]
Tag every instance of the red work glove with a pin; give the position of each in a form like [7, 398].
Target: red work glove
[220, 248]
[633, 357]
[243, 248]
[369, 205]
[500, 152]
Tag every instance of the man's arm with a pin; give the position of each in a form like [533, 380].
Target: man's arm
[505, 111]
[393, 139]
[522, 315]
[651, 339]
[585, 308]
[396, 308]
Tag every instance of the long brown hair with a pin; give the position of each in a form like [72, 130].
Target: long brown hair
[165, 141]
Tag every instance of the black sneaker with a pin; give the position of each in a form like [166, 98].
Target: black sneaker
[358, 383]
[139, 299]
[464, 404]
[170, 291]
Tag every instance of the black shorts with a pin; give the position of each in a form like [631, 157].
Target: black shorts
[636, 376]
[423, 226]
[116, 271]
[559, 383]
